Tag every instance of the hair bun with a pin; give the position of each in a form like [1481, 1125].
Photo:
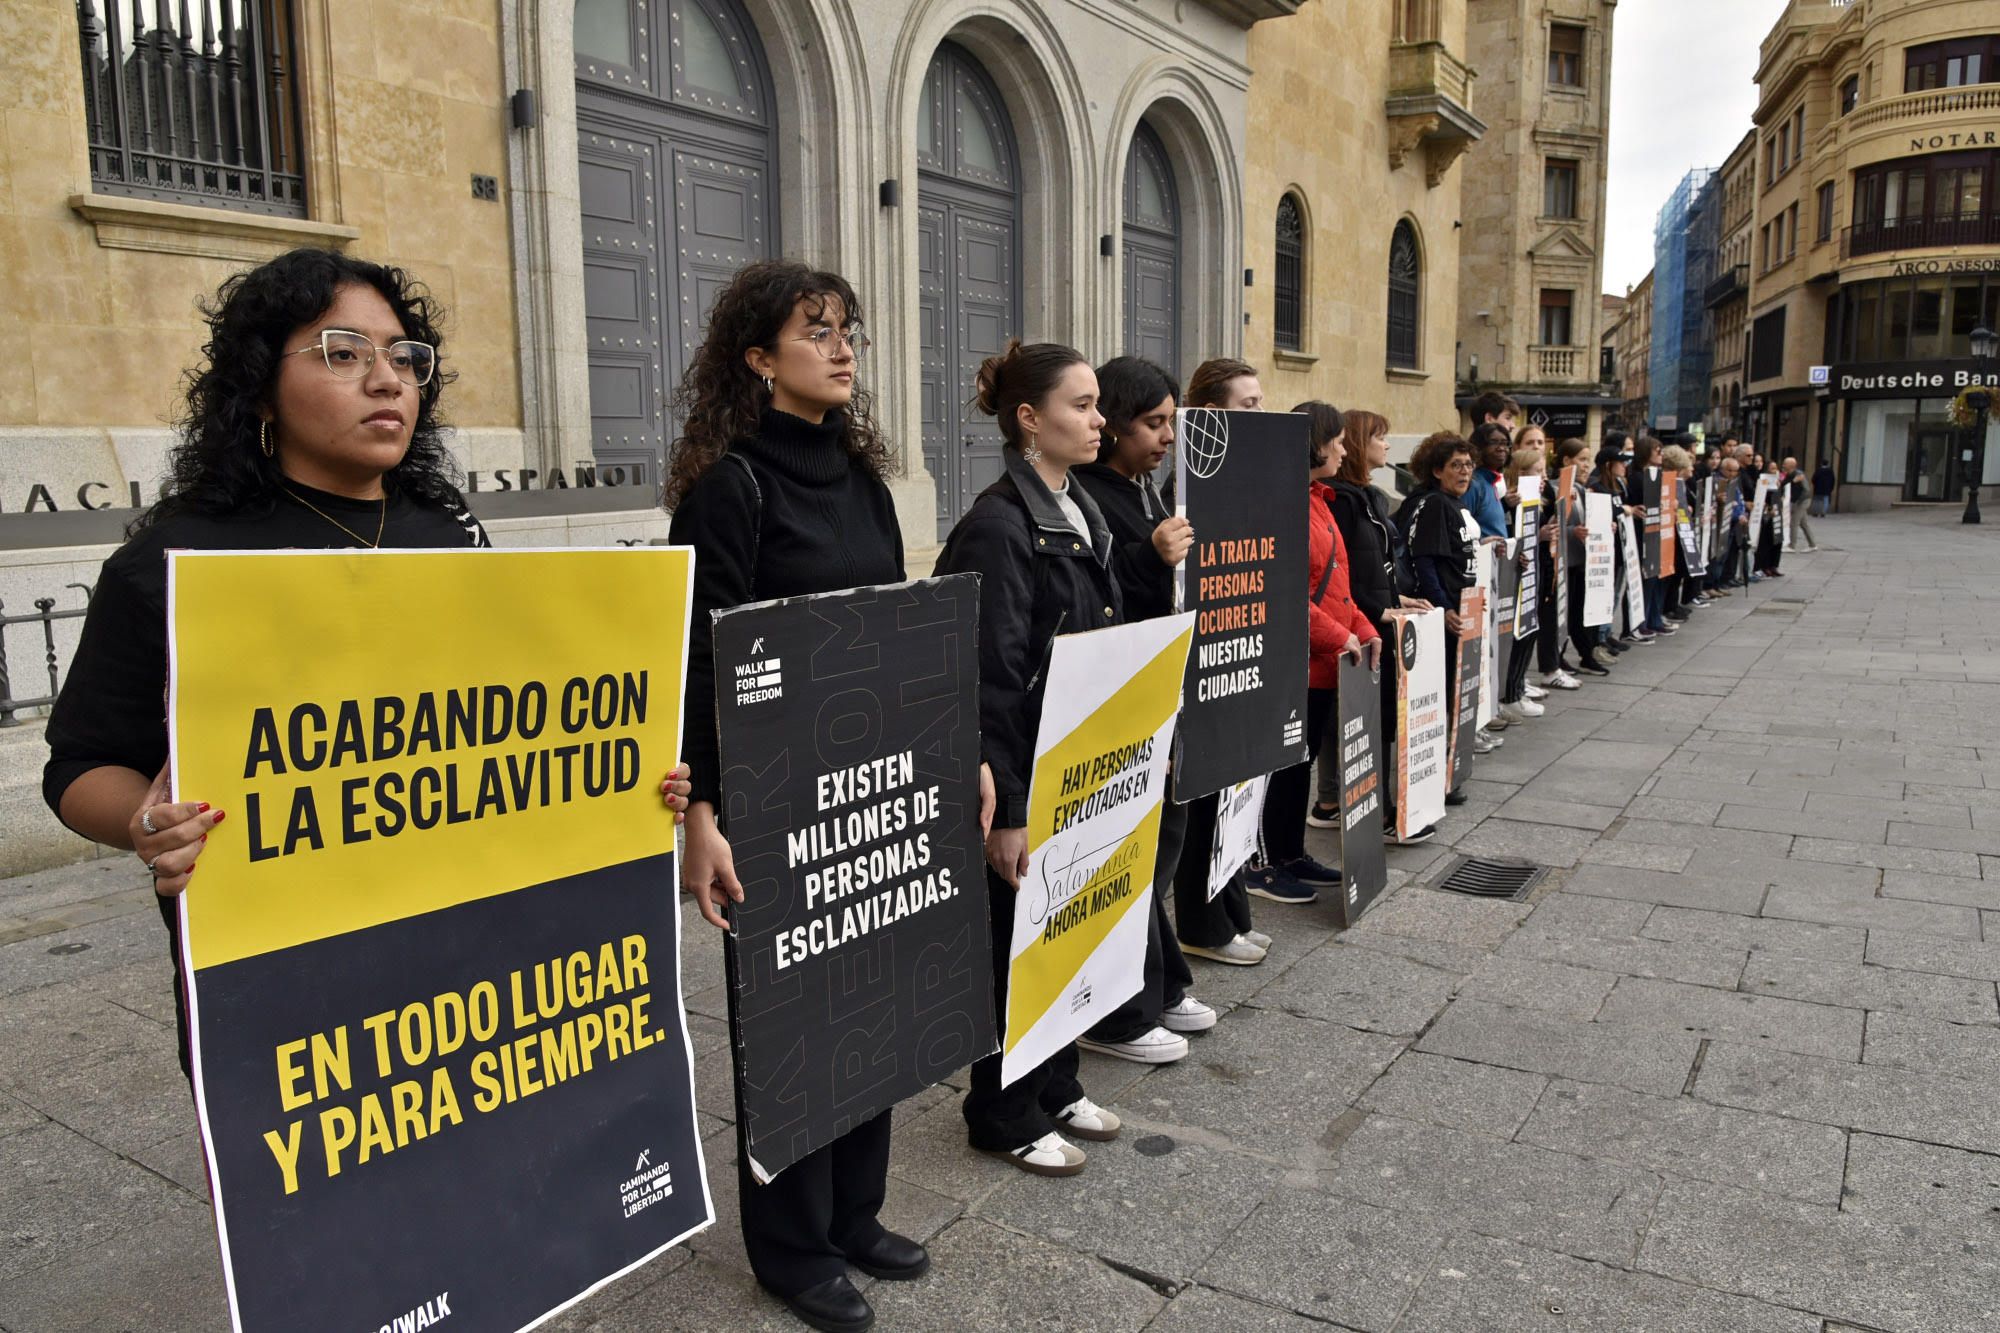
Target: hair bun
[993, 372]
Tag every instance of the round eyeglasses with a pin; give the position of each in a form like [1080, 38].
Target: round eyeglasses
[350, 356]
[828, 340]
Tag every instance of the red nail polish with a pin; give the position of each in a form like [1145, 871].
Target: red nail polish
[219, 816]
[201, 809]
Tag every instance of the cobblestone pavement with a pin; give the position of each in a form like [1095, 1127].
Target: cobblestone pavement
[1734, 1066]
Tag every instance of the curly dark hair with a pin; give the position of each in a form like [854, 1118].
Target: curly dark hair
[720, 399]
[1438, 449]
[217, 466]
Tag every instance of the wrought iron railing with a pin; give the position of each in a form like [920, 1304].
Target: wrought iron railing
[191, 101]
[1869, 238]
[46, 616]
[1734, 279]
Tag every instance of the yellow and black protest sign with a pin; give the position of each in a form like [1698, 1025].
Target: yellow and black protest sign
[433, 955]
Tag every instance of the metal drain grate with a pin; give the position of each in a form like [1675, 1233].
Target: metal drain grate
[1491, 877]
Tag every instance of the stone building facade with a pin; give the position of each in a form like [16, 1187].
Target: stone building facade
[1877, 248]
[1352, 200]
[1628, 341]
[1533, 211]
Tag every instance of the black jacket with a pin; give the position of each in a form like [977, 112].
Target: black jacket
[1378, 565]
[1038, 579]
[1132, 509]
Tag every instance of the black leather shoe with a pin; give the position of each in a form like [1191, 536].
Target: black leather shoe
[834, 1306]
[892, 1258]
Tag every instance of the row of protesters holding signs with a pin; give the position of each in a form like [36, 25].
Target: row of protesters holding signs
[428, 979]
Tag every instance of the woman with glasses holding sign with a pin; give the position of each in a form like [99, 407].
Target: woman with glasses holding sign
[313, 424]
[777, 483]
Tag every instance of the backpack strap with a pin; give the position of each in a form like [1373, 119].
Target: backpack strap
[757, 523]
[1325, 575]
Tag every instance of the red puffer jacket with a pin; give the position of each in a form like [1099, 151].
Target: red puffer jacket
[1334, 616]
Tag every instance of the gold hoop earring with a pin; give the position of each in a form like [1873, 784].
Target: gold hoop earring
[264, 439]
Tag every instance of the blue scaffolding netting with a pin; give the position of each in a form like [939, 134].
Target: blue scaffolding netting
[1684, 244]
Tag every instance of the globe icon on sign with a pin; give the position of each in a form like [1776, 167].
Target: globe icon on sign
[1206, 433]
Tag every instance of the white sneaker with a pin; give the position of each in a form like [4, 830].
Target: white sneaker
[1157, 1047]
[1528, 708]
[1190, 1015]
[1239, 952]
[1561, 680]
[1484, 744]
[1514, 712]
[1534, 692]
[1259, 939]
[1049, 1155]
[1087, 1120]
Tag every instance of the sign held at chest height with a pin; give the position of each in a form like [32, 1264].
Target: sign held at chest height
[1245, 582]
[434, 979]
[859, 966]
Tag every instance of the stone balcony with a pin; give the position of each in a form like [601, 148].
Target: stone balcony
[1941, 120]
[1430, 95]
[1560, 365]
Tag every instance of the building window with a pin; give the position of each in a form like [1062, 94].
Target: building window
[1566, 55]
[1850, 93]
[1555, 317]
[1826, 212]
[1799, 134]
[1559, 187]
[1288, 321]
[1764, 248]
[1771, 160]
[1416, 20]
[197, 109]
[1405, 296]
[1767, 346]
[1914, 203]
[1954, 64]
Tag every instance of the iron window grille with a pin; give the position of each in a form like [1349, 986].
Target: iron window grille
[1289, 300]
[1405, 293]
[193, 102]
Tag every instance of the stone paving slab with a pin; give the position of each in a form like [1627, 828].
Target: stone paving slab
[1681, 1137]
[1456, 1094]
[1581, 1206]
[1723, 1015]
[1904, 1103]
[1558, 988]
[1362, 988]
[1800, 939]
[1955, 999]
[1482, 1285]
[1641, 1059]
[1818, 1259]
[1905, 1183]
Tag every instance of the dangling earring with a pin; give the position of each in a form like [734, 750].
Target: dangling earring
[1033, 453]
[770, 385]
[264, 439]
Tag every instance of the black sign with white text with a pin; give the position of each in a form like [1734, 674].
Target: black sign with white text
[1364, 867]
[859, 963]
[1244, 706]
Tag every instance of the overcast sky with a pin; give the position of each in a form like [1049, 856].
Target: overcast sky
[1681, 97]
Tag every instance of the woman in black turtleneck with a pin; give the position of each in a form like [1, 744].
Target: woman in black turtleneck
[776, 481]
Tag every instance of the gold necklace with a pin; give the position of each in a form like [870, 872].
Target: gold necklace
[380, 523]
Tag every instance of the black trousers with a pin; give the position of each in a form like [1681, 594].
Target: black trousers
[1167, 976]
[1519, 653]
[1290, 789]
[1001, 1119]
[1205, 923]
[800, 1228]
[1583, 639]
[1548, 635]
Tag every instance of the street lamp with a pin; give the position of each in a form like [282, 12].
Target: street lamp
[1985, 344]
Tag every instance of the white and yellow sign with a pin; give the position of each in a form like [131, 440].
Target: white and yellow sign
[1079, 945]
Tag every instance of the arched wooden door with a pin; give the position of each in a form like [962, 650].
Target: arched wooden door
[1152, 253]
[674, 121]
[968, 263]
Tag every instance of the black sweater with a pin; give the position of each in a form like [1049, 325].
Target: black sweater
[824, 523]
[1378, 566]
[1132, 509]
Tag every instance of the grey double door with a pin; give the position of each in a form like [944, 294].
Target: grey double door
[968, 270]
[673, 153]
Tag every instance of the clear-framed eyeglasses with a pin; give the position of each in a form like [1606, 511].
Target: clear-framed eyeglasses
[829, 340]
[350, 356]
